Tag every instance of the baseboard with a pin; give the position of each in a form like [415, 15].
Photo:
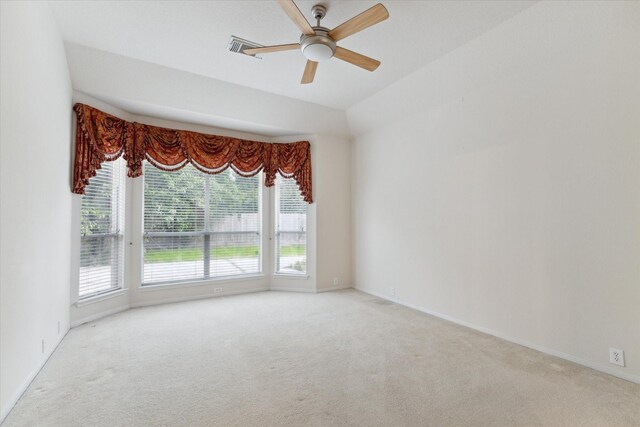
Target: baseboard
[196, 297]
[334, 288]
[309, 291]
[100, 315]
[288, 289]
[160, 301]
[27, 382]
[571, 358]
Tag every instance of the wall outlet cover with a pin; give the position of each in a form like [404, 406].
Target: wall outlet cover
[616, 356]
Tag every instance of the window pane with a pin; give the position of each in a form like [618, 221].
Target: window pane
[235, 224]
[102, 227]
[174, 212]
[199, 226]
[291, 228]
[173, 201]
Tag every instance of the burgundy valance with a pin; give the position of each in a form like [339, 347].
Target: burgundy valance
[102, 137]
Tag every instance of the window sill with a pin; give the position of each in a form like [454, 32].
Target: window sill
[100, 297]
[210, 282]
[291, 276]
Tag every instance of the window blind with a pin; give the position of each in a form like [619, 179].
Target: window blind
[291, 228]
[102, 231]
[199, 226]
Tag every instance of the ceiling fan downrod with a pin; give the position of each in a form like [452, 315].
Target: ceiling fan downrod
[318, 11]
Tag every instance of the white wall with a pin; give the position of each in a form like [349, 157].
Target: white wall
[35, 223]
[332, 194]
[153, 90]
[499, 186]
[329, 218]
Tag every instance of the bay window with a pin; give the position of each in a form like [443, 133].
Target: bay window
[186, 225]
[194, 227]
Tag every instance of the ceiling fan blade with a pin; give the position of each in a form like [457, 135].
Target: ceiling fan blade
[296, 16]
[269, 49]
[354, 58]
[309, 72]
[369, 17]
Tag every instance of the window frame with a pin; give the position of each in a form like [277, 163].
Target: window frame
[262, 236]
[120, 235]
[133, 294]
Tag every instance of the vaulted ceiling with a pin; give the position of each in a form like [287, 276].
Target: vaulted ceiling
[193, 37]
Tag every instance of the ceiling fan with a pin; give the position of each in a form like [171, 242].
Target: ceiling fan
[319, 43]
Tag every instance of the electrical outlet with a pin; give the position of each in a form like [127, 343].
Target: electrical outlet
[392, 291]
[218, 290]
[616, 356]
[336, 281]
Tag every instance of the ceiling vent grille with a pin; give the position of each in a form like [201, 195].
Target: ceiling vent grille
[238, 45]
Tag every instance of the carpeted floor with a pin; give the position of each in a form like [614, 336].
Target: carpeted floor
[286, 359]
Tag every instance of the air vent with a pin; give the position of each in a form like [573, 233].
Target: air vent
[238, 45]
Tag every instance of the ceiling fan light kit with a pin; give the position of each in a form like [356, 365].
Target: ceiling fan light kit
[319, 47]
[318, 43]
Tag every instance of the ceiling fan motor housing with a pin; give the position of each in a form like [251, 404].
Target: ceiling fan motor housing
[318, 47]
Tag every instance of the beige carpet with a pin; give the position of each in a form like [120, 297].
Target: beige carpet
[285, 359]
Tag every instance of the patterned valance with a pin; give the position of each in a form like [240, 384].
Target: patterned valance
[102, 137]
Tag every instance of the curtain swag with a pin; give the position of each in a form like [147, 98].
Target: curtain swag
[101, 137]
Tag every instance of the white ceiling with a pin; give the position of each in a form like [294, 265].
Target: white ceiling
[193, 36]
